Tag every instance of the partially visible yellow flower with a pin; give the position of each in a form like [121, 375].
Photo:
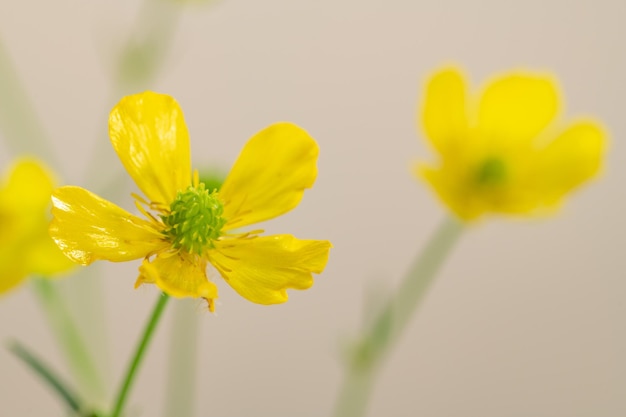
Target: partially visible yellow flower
[505, 150]
[25, 246]
[192, 225]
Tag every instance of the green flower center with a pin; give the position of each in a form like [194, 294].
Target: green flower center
[195, 219]
[492, 171]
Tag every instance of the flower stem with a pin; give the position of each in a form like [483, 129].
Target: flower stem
[21, 127]
[139, 60]
[388, 326]
[139, 354]
[180, 393]
[73, 346]
[46, 373]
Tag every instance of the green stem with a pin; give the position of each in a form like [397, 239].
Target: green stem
[139, 354]
[46, 373]
[179, 400]
[24, 133]
[20, 126]
[141, 57]
[393, 319]
[69, 337]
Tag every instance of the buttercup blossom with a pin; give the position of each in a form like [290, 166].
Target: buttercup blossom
[186, 224]
[25, 247]
[505, 150]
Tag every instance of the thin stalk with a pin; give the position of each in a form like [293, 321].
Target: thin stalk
[181, 379]
[180, 393]
[139, 354]
[20, 126]
[48, 375]
[391, 322]
[141, 57]
[69, 337]
[24, 133]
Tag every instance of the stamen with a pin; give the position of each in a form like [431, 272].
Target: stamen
[140, 199]
[196, 178]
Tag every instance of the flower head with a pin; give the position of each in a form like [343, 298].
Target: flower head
[25, 247]
[505, 151]
[187, 225]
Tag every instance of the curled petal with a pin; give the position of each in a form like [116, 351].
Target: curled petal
[261, 269]
[270, 175]
[444, 113]
[180, 275]
[88, 228]
[516, 107]
[149, 134]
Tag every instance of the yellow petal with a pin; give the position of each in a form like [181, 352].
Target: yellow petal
[270, 175]
[261, 269]
[444, 111]
[448, 184]
[516, 107]
[28, 187]
[150, 137]
[572, 158]
[88, 228]
[44, 258]
[24, 201]
[25, 246]
[12, 268]
[179, 274]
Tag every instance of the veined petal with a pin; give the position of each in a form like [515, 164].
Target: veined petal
[444, 111]
[516, 107]
[572, 158]
[179, 274]
[149, 134]
[261, 269]
[88, 228]
[270, 175]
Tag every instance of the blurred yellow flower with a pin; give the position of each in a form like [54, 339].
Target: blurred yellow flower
[505, 150]
[25, 246]
[193, 225]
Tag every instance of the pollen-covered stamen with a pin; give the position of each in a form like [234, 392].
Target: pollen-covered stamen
[195, 219]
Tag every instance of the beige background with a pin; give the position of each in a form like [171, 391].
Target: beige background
[526, 319]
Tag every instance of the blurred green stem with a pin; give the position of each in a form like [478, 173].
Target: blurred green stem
[46, 374]
[142, 55]
[180, 392]
[69, 337]
[138, 64]
[147, 45]
[390, 323]
[181, 379]
[24, 133]
[19, 124]
[139, 354]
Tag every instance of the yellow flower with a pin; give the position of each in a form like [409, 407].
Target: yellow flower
[505, 150]
[192, 225]
[25, 246]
